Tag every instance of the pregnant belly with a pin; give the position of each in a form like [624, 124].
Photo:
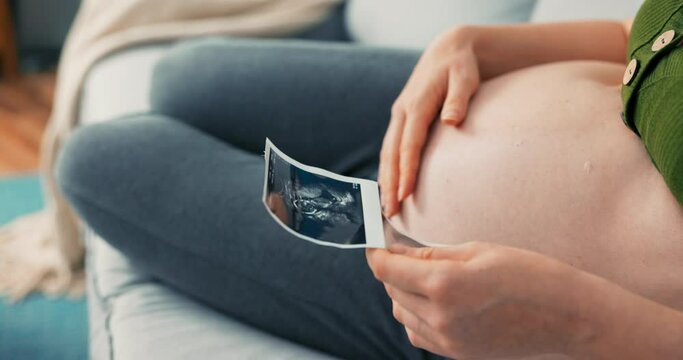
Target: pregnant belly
[544, 162]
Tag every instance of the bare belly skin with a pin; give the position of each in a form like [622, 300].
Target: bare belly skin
[544, 162]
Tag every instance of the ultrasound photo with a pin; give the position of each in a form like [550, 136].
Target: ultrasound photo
[327, 208]
[321, 206]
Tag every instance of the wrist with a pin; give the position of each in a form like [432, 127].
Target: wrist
[623, 325]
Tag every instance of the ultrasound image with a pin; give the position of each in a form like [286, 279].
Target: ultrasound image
[316, 206]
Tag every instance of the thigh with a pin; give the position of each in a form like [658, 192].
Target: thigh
[325, 104]
[187, 208]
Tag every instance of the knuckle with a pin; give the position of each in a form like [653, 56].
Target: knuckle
[390, 292]
[408, 148]
[378, 268]
[459, 66]
[412, 337]
[495, 250]
[497, 257]
[409, 169]
[390, 181]
[471, 80]
[465, 77]
[456, 274]
[442, 37]
[440, 324]
[427, 253]
[389, 193]
[386, 156]
[396, 312]
[478, 246]
[437, 286]
[415, 107]
[397, 109]
[455, 348]
[461, 74]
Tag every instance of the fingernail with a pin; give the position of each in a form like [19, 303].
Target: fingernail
[451, 115]
[402, 193]
[388, 211]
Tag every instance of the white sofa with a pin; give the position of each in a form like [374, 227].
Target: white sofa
[134, 317]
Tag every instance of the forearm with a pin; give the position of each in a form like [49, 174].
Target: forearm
[628, 326]
[501, 49]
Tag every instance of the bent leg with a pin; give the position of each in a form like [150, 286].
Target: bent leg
[187, 208]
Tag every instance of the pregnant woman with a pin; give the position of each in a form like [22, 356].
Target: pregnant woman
[555, 172]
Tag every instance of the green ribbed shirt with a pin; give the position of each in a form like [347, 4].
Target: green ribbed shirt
[653, 97]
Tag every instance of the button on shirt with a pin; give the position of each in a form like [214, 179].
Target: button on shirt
[630, 72]
[663, 40]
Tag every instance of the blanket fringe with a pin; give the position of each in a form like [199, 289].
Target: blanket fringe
[30, 260]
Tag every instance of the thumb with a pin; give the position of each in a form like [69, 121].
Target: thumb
[461, 252]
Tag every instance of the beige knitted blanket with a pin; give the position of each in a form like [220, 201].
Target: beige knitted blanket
[43, 251]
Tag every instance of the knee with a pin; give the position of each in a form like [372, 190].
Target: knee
[91, 172]
[95, 157]
[87, 148]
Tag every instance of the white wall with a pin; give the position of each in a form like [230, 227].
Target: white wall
[566, 10]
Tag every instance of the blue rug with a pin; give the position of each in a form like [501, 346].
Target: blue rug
[38, 327]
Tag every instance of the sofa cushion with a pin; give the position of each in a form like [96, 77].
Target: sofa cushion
[563, 10]
[413, 24]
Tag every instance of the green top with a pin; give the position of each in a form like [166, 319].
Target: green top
[653, 97]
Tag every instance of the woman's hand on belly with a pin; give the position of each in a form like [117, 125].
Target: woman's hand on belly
[480, 300]
[450, 71]
[443, 80]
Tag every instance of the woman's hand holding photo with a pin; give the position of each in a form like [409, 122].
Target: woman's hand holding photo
[481, 300]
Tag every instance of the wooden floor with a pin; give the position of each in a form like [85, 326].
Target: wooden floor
[24, 109]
